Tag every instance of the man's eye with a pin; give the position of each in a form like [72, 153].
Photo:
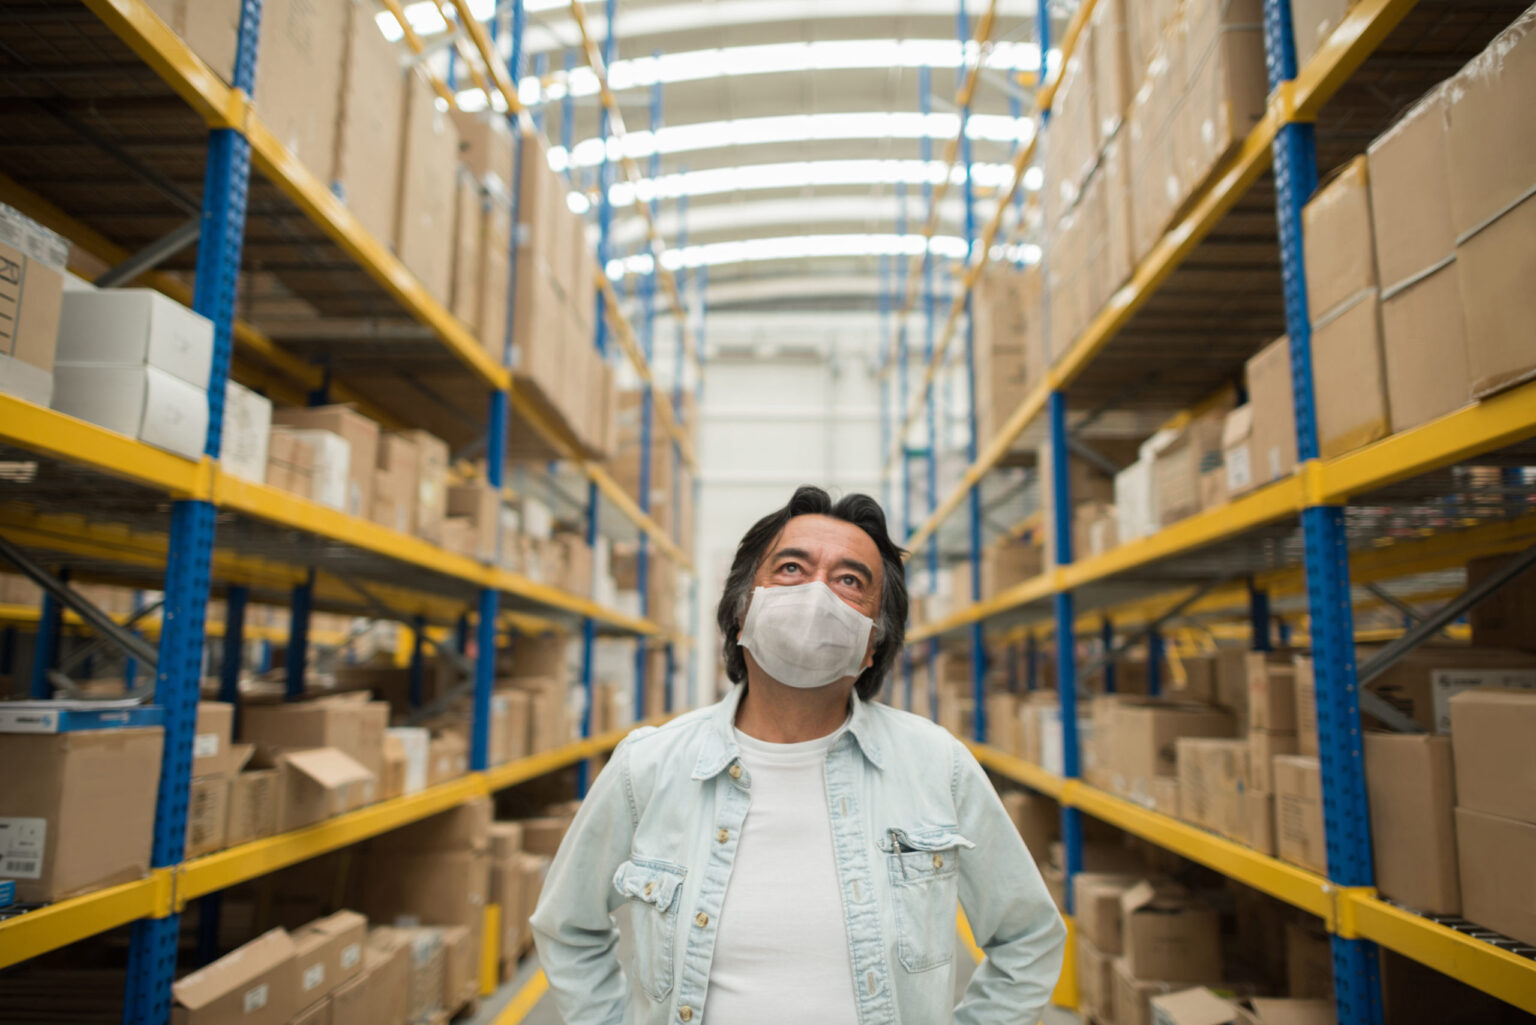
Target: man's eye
[849, 580]
[790, 567]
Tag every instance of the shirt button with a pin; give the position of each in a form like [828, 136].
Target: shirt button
[723, 835]
[685, 1014]
[735, 771]
[649, 888]
[938, 861]
[701, 919]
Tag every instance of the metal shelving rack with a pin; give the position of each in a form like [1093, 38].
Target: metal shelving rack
[1315, 534]
[254, 542]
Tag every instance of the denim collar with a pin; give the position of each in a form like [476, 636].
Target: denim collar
[719, 748]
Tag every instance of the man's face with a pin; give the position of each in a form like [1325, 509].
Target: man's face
[834, 552]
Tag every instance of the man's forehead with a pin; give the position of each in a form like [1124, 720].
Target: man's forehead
[815, 531]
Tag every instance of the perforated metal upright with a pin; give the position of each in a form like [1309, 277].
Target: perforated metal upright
[1346, 823]
[1061, 549]
[973, 496]
[226, 181]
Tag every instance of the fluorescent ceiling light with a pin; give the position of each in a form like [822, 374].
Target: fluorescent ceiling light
[805, 174]
[674, 139]
[791, 247]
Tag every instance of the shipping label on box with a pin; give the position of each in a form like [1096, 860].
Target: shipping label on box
[1447, 683]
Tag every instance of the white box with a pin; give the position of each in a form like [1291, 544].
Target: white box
[1133, 501]
[247, 432]
[415, 741]
[25, 381]
[142, 402]
[131, 327]
[332, 464]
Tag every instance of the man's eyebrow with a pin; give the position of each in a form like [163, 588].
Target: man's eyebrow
[858, 567]
[791, 553]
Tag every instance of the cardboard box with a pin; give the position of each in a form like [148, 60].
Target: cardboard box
[349, 1001]
[1145, 733]
[244, 442]
[1507, 617]
[1337, 241]
[1492, 156]
[1271, 693]
[1498, 888]
[1263, 746]
[1422, 683]
[1425, 349]
[299, 87]
[207, 815]
[354, 727]
[212, 753]
[432, 483]
[329, 952]
[461, 957]
[252, 805]
[1350, 375]
[466, 827]
[424, 215]
[1411, 788]
[209, 27]
[143, 402]
[81, 787]
[290, 462]
[362, 436]
[1308, 961]
[1096, 900]
[518, 724]
[1257, 826]
[416, 743]
[1312, 22]
[387, 964]
[437, 887]
[316, 784]
[365, 171]
[392, 782]
[1306, 708]
[477, 505]
[495, 276]
[1169, 936]
[1213, 775]
[447, 758]
[1299, 836]
[1269, 1011]
[468, 224]
[1196, 1006]
[399, 460]
[1133, 996]
[134, 328]
[1492, 734]
[425, 981]
[32, 260]
[1272, 442]
[1095, 981]
[256, 984]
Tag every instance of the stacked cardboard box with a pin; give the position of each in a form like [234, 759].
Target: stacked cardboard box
[1186, 475]
[424, 210]
[1139, 736]
[329, 754]
[1009, 343]
[1171, 941]
[1491, 731]
[1258, 440]
[370, 116]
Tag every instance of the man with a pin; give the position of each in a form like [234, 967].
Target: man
[797, 852]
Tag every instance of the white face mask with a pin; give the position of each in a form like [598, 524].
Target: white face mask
[805, 636]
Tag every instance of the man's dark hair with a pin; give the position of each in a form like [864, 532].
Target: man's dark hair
[861, 511]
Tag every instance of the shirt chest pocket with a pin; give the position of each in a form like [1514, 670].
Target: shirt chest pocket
[923, 867]
[652, 889]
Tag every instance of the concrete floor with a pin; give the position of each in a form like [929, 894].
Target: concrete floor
[544, 1012]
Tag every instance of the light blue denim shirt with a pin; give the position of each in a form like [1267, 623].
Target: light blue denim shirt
[918, 832]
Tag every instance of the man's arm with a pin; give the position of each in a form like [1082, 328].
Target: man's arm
[573, 925]
[1011, 913]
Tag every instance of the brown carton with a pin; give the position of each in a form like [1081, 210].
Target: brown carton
[1145, 732]
[349, 723]
[256, 984]
[468, 224]
[1299, 836]
[1336, 226]
[1270, 1011]
[461, 955]
[1493, 739]
[1308, 961]
[1272, 443]
[1412, 793]
[1095, 981]
[1306, 708]
[79, 788]
[252, 805]
[211, 754]
[467, 827]
[369, 110]
[1133, 996]
[1169, 936]
[1498, 888]
[329, 952]
[399, 468]
[1313, 21]
[387, 963]
[1271, 693]
[1096, 900]
[1194, 1006]
[1213, 774]
[1263, 745]
[1422, 683]
[359, 431]
[423, 235]
[33, 288]
[1350, 376]
[447, 757]
[299, 87]
[349, 1001]
[425, 960]
[207, 815]
[319, 783]
[486, 147]
[438, 887]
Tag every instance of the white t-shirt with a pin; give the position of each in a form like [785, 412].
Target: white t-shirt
[781, 949]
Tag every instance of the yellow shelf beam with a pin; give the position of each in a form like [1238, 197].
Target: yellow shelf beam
[165, 891]
[1361, 31]
[1348, 912]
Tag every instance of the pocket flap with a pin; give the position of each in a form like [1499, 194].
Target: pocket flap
[650, 882]
[927, 838]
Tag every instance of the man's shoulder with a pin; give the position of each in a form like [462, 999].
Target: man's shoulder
[652, 745]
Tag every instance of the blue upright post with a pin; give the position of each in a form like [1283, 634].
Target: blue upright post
[1155, 663]
[45, 653]
[416, 678]
[568, 115]
[234, 644]
[296, 657]
[1107, 639]
[226, 179]
[1356, 982]
[973, 497]
[540, 69]
[604, 232]
[461, 633]
[1258, 617]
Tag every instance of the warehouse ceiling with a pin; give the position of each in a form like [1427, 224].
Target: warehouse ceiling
[788, 129]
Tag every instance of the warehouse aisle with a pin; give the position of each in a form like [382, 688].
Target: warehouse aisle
[495, 1010]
